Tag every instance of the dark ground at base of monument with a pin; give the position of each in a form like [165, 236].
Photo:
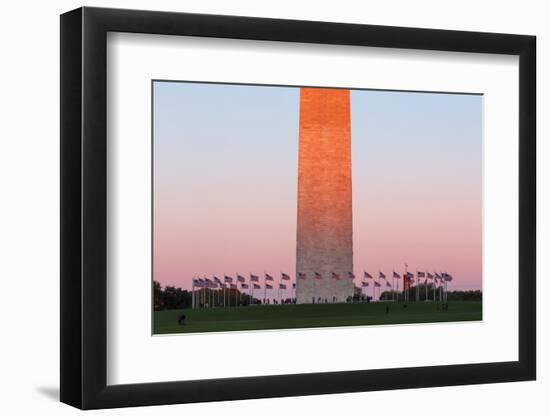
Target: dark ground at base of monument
[297, 316]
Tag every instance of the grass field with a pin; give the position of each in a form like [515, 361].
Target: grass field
[294, 316]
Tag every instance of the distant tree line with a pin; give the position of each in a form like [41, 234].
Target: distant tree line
[174, 298]
[471, 295]
[464, 295]
[170, 298]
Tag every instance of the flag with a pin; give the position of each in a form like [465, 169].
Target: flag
[388, 284]
[437, 275]
[381, 275]
[376, 284]
[233, 286]
[268, 277]
[420, 274]
[396, 275]
[301, 275]
[282, 286]
[318, 276]
[364, 284]
[409, 275]
[351, 275]
[430, 276]
[244, 286]
[217, 280]
[197, 282]
[293, 285]
[367, 275]
[227, 279]
[254, 278]
[240, 278]
[285, 276]
[447, 277]
[256, 286]
[335, 275]
[268, 287]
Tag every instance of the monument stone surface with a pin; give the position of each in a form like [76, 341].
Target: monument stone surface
[324, 243]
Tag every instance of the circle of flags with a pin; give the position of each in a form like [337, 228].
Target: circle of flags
[439, 279]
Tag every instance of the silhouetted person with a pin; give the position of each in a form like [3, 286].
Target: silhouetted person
[387, 309]
[181, 320]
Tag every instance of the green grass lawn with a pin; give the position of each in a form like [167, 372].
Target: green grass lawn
[293, 316]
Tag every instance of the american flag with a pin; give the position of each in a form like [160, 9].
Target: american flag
[254, 278]
[318, 276]
[396, 275]
[381, 275]
[282, 286]
[217, 280]
[367, 275]
[233, 286]
[285, 276]
[240, 278]
[430, 276]
[388, 284]
[256, 286]
[376, 284]
[227, 279]
[244, 286]
[335, 275]
[197, 282]
[364, 284]
[301, 275]
[268, 277]
[351, 275]
[268, 287]
[420, 274]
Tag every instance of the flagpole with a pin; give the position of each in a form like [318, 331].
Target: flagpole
[279, 290]
[397, 291]
[426, 283]
[406, 292]
[416, 298]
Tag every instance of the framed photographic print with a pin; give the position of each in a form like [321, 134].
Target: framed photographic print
[297, 200]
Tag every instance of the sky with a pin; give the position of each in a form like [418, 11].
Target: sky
[225, 181]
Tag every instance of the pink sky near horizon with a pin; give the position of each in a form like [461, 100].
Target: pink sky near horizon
[230, 207]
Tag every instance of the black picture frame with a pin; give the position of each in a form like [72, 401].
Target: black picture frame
[84, 207]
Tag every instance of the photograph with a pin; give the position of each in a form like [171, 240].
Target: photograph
[294, 207]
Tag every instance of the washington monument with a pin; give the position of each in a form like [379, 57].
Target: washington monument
[324, 244]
